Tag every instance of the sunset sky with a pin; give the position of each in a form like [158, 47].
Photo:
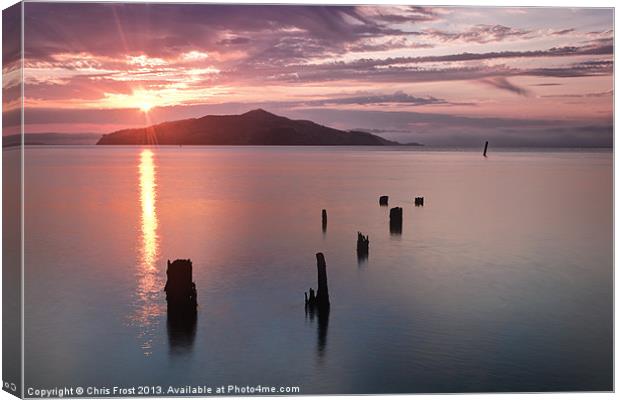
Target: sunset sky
[518, 76]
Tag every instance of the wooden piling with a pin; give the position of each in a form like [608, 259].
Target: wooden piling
[486, 145]
[383, 200]
[318, 305]
[396, 220]
[419, 201]
[322, 294]
[362, 245]
[312, 297]
[180, 290]
[324, 220]
[321, 299]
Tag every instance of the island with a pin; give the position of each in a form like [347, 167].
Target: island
[253, 128]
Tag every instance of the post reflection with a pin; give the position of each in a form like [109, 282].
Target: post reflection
[322, 317]
[181, 332]
[148, 305]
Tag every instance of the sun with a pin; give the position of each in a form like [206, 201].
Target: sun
[145, 107]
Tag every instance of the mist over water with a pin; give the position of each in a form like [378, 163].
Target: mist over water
[502, 281]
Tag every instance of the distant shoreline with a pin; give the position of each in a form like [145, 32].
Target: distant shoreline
[420, 147]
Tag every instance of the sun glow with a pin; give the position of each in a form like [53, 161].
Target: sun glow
[145, 107]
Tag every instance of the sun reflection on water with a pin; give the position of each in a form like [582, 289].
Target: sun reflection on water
[148, 305]
[148, 186]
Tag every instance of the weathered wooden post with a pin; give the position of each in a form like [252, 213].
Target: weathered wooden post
[180, 290]
[419, 201]
[319, 304]
[324, 220]
[182, 304]
[486, 145]
[362, 245]
[322, 294]
[321, 299]
[383, 200]
[396, 220]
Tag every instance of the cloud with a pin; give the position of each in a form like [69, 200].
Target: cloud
[283, 44]
[194, 76]
[581, 69]
[11, 34]
[398, 97]
[460, 66]
[606, 93]
[479, 34]
[566, 51]
[546, 84]
[563, 32]
[232, 41]
[389, 44]
[456, 130]
[503, 84]
[162, 30]
[400, 14]
[193, 59]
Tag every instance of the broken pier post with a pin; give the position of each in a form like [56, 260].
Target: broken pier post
[321, 299]
[362, 245]
[322, 294]
[312, 298]
[180, 290]
[383, 200]
[419, 201]
[486, 145]
[396, 220]
[324, 220]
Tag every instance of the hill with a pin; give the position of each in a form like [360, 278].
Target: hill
[257, 127]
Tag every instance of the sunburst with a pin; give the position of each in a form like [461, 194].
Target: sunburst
[145, 107]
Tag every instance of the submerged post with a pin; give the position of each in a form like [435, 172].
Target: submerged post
[324, 220]
[396, 220]
[419, 201]
[383, 200]
[486, 145]
[180, 290]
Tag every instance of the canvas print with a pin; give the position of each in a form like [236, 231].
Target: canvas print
[236, 199]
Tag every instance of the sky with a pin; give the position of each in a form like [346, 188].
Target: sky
[440, 76]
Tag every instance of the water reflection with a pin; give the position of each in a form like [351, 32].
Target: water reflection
[362, 259]
[396, 227]
[322, 316]
[181, 331]
[323, 322]
[148, 305]
[148, 186]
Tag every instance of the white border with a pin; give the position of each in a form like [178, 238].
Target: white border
[484, 3]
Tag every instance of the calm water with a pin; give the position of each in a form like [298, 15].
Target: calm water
[501, 282]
